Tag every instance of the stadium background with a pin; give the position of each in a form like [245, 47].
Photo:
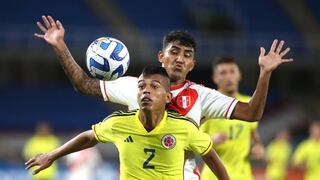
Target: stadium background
[33, 86]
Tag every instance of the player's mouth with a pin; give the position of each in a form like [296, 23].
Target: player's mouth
[178, 67]
[146, 100]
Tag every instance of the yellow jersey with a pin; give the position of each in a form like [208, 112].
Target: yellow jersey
[278, 154]
[234, 153]
[42, 144]
[308, 153]
[158, 154]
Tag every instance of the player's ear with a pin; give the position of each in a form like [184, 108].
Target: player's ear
[168, 97]
[160, 56]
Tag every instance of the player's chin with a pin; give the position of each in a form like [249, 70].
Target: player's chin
[175, 75]
[145, 107]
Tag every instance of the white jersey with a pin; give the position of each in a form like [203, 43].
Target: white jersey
[189, 99]
[83, 165]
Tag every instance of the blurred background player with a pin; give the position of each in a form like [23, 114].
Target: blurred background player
[232, 139]
[42, 141]
[278, 156]
[307, 154]
[83, 165]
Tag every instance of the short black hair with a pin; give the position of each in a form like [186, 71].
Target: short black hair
[183, 37]
[223, 60]
[154, 69]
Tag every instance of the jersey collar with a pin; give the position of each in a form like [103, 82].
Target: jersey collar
[179, 85]
[156, 129]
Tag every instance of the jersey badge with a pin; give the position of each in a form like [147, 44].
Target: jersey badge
[168, 141]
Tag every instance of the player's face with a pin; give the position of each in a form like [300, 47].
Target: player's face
[178, 60]
[315, 130]
[284, 135]
[152, 93]
[227, 77]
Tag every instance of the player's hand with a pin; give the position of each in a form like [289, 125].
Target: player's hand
[275, 57]
[257, 152]
[41, 160]
[53, 31]
[219, 138]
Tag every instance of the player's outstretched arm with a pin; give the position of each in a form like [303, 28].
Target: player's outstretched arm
[82, 141]
[53, 34]
[257, 149]
[253, 110]
[215, 164]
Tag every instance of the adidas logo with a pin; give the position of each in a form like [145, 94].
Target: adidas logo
[128, 139]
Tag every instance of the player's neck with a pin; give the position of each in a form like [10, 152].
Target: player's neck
[150, 119]
[229, 93]
[316, 139]
[177, 82]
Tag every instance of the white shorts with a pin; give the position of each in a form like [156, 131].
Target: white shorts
[190, 170]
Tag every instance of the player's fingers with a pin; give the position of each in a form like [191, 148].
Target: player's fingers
[59, 24]
[274, 45]
[32, 165]
[41, 27]
[283, 53]
[287, 60]
[38, 170]
[41, 36]
[29, 161]
[279, 47]
[46, 22]
[262, 51]
[52, 22]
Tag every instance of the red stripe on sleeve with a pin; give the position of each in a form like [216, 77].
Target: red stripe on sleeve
[227, 112]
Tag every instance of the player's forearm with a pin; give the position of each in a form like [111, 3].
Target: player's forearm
[215, 164]
[79, 79]
[253, 110]
[82, 141]
[255, 138]
[258, 100]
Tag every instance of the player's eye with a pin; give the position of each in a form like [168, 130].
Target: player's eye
[187, 55]
[140, 86]
[223, 72]
[174, 51]
[154, 86]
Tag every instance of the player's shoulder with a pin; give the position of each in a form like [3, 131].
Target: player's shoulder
[194, 85]
[178, 118]
[243, 98]
[121, 115]
[124, 79]
[305, 144]
[128, 78]
[200, 88]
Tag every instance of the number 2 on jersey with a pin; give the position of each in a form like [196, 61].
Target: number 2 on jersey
[152, 154]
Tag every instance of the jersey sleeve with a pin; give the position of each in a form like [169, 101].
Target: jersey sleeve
[253, 125]
[300, 154]
[103, 131]
[198, 141]
[122, 91]
[216, 105]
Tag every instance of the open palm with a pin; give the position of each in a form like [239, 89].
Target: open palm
[53, 31]
[275, 57]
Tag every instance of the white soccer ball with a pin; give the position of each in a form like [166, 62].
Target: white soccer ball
[107, 58]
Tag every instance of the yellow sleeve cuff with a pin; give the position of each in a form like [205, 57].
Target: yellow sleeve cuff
[207, 150]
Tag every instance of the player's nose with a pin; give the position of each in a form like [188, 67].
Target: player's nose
[146, 90]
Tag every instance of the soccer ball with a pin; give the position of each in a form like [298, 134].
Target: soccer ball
[107, 58]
